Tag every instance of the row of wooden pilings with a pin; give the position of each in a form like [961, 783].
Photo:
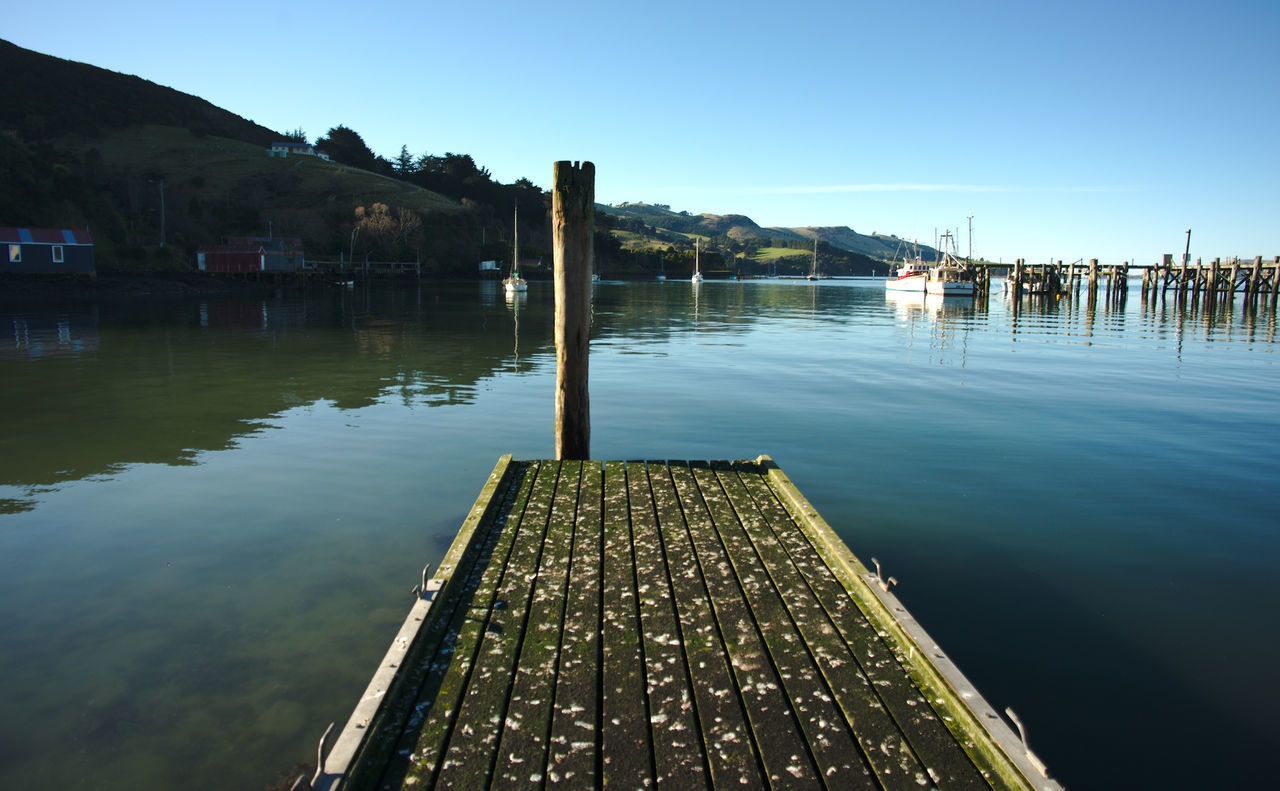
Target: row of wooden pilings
[1216, 281]
[1056, 280]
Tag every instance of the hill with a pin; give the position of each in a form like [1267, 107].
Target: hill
[155, 174]
[664, 225]
[56, 97]
[648, 236]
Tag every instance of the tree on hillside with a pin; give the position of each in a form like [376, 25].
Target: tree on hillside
[346, 146]
[404, 164]
[295, 136]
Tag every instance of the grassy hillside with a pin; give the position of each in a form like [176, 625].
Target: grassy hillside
[155, 174]
[124, 182]
[650, 225]
[44, 97]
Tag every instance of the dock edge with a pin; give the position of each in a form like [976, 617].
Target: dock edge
[352, 745]
[976, 720]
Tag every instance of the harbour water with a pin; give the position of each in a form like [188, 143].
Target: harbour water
[212, 510]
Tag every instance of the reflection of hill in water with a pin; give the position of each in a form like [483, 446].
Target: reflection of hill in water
[156, 382]
[124, 382]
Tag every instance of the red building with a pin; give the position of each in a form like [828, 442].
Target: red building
[231, 258]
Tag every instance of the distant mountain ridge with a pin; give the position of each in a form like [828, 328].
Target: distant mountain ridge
[739, 228]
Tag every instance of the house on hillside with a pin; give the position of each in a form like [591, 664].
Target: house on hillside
[284, 148]
[46, 250]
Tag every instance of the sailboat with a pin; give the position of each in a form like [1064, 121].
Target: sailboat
[813, 270]
[515, 282]
[697, 270]
[662, 267]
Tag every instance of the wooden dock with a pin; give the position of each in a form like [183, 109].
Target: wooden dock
[685, 624]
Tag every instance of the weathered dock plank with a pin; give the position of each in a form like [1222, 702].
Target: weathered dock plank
[626, 745]
[526, 733]
[467, 745]
[830, 743]
[677, 750]
[731, 755]
[674, 624]
[881, 742]
[777, 734]
[576, 719]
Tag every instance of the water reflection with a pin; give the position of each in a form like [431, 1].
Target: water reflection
[246, 488]
[37, 335]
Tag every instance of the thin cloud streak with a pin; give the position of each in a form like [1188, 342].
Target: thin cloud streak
[837, 188]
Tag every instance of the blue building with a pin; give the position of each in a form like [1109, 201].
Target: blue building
[46, 250]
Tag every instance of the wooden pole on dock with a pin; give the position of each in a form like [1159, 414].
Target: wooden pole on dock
[1093, 278]
[573, 225]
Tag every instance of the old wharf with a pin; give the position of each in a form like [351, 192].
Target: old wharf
[689, 624]
[1218, 281]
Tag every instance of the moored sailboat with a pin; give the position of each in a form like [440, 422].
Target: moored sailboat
[515, 282]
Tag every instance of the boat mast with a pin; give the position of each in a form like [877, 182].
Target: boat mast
[969, 257]
[515, 243]
[814, 269]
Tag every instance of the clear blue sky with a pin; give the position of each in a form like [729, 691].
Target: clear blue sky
[1070, 130]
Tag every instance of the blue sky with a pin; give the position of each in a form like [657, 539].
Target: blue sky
[1070, 130]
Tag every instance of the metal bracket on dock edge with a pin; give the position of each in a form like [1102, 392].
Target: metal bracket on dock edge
[1022, 734]
[1027, 763]
[335, 766]
[884, 583]
[333, 769]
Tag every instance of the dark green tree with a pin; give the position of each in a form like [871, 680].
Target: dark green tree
[404, 164]
[346, 146]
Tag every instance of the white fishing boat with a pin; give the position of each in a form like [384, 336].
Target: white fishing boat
[910, 275]
[697, 270]
[947, 281]
[948, 276]
[515, 283]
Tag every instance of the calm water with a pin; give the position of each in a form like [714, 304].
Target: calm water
[212, 512]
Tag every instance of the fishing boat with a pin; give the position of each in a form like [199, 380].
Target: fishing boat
[697, 270]
[910, 274]
[947, 276]
[948, 280]
[515, 283]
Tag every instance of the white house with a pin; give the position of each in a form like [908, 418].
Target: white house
[284, 148]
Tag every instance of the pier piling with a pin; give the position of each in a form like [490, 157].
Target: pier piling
[573, 224]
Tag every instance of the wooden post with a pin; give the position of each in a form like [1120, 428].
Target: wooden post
[1093, 277]
[1255, 279]
[573, 225]
[1275, 281]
